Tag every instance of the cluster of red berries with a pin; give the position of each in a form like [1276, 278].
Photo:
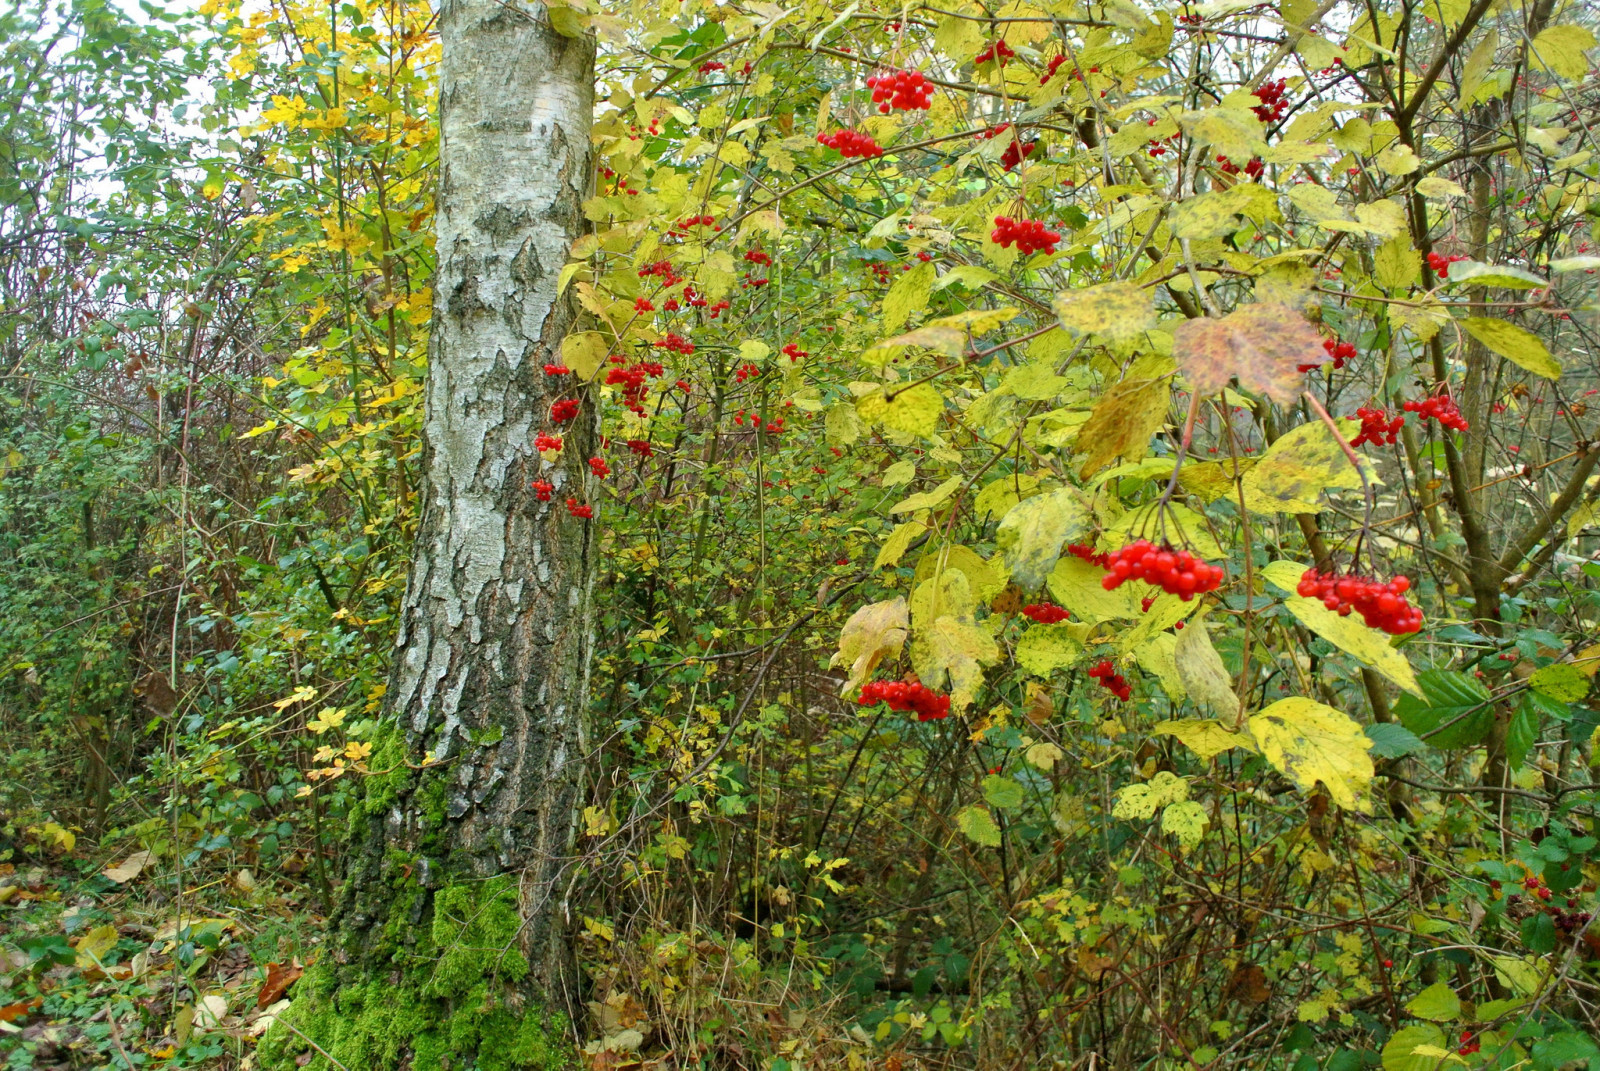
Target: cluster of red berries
[1016, 152]
[1045, 613]
[632, 380]
[1088, 554]
[794, 352]
[1177, 572]
[633, 129]
[557, 370]
[1050, 71]
[1377, 427]
[1110, 679]
[1441, 264]
[1254, 169]
[851, 144]
[641, 448]
[565, 410]
[746, 371]
[675, 343]
[758, 256]
[1029, 235]
[907, 697]
[712, 65]
[997, 51]
[1274, 100]
[542, 489]
[598, 466]
[1469, 1043]
[663, 270]
[906, 90]
[1381, 605]
[583, 511]
[1440, 407]
[545, 441]
[1338, 353]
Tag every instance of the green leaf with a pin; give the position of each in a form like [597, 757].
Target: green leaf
[1521, 347]
[1390, 741]
[1313, 744]
[1455, 711]
[1561, 681]
[978, 824]
[1400, 1054]
[895, 546]
[1438, 1003]
[1031, 534]
[1522, 732]
[1539, 934]
[1476, 273]
[1559, 1050]
[1002, 793]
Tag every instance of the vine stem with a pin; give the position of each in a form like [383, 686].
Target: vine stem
[1355, 459]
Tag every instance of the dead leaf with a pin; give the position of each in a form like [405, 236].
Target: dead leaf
[1248, 985]
[1262, 345]
[280, 976]
[128, 869]
[20, 1010]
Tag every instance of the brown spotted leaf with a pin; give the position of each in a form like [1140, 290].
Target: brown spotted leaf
[280, 976]
[1262, 345]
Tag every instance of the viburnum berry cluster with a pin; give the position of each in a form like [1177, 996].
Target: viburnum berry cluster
[997, 51]
[1088, 554]
[1469, 1043]
[564, 410]
[632, 379]
[1338, 352]
[1253, 169]
[1377, 427]
[758, 256]
[663, 270]
[906, 90]
[1441, 264]
[545, 441]
[641, 448]
[598, 466]
[1440, 407]
[1177, 572]
[745, 371]
[1016, 152]
[675, 343]
[1382, 605]
[557, 370]
[794, 352]
[1050, 71]
[851, 144]
[712, 65]
[583, 511]
[1110, 679]
[1029, 235]
[1045, 613]
[1274, 100]
[542, 489]
[907, 697]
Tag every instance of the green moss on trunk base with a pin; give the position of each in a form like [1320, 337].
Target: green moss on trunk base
[448, 1000]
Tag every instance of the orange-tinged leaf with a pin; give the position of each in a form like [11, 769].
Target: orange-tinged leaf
[1262, 345]
[280, 976]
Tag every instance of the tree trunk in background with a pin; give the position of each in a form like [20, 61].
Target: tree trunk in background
[447, 947]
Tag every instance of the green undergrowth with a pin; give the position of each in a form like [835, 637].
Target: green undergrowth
[449, 997]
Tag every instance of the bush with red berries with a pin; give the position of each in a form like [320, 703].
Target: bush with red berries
[851, 145]
[1440, 407]
[1177, 572]
[1028, 235]
[903, 90]
[1381, 604]
[1045, 613]
[907, 697]
[1112, 681]
[1377, 427]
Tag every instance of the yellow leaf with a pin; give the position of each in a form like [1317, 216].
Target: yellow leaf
[1186, 821]
[93, 946]
[1201, 669]
[1076, 585]
[1312, 744]
[927, 499]
[1043, 649]
[1139, 802]
[584, 353]
[128, 869]
[1123, 422]
[1205, 738]
[1043, 756]
[303, 694]
[1113, 311]
[1155, 656]
[1518, 345]
[911, 410]
[1560, 49]
[1298, 467]
[1031, 534]
[908, 295]
[327, 718]
[956, 650]
[895, 546]
[873, 633]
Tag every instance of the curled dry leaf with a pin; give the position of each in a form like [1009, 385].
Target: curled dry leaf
[1263, 345]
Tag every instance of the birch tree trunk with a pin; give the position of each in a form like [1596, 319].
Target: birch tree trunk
[447, 947]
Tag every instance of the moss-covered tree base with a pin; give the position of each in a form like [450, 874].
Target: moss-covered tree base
[445, 997]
